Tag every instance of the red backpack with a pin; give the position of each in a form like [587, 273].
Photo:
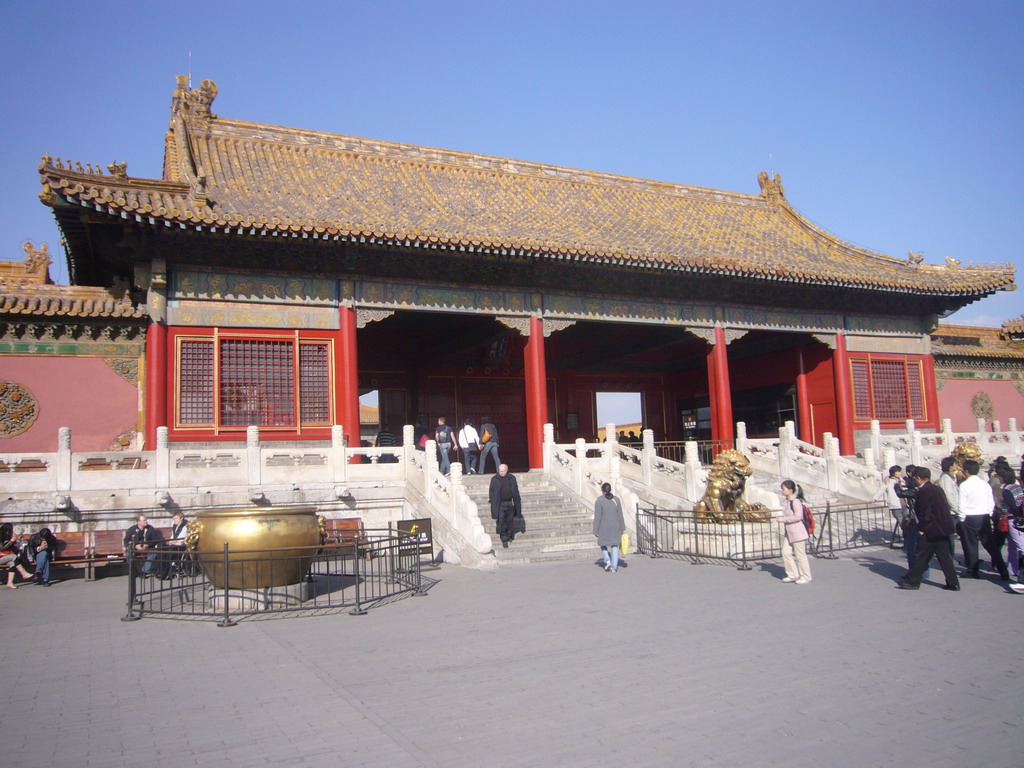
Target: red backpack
[808, 519]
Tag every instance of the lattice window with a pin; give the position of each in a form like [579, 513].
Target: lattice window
[887, 390]
[235, 382]
[314, 384]
[257, 383]
[195, 376]
[861, 390]
[915, 390]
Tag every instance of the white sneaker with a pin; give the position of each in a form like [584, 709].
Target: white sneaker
[1018, 588]
[607, 566]
[802, 581]
[788, 580]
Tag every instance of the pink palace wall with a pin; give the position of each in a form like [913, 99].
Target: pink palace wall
[78, 392]
[955, 402]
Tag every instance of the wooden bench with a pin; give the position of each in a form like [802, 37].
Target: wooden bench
[348, 531]
[72, 550]
[108, 546]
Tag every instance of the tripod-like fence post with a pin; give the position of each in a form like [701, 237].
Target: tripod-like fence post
[131, 616]
[226, 621]
[358, 610]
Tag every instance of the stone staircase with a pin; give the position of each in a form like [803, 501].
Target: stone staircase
[557, 528]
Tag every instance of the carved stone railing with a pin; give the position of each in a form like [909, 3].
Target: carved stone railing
[928, 449]
[67, 480]
[809, 465]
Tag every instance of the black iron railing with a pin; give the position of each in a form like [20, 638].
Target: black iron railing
[664, 533]
[230, 584]
[676, 450]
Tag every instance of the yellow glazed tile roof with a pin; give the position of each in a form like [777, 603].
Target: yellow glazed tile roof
[974, 341]
[1014, 327]
[26, 292]
[256, 179]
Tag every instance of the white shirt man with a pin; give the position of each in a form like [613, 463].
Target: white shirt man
[469, 442]
[976, 508]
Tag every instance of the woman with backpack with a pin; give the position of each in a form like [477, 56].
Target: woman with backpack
[794, 538]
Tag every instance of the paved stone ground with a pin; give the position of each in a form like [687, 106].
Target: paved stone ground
[556, 664]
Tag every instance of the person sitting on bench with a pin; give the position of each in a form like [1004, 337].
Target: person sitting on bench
[42, 547]
[10, 554]
[175, 546]
[141, 537]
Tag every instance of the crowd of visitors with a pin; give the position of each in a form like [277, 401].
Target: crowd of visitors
[934, 516]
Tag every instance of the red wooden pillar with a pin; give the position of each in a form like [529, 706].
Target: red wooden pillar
[347, 393]
[803, 403]
[844, 398]
[535, 371]
[156, 382]
[931, 391]
[721, 393]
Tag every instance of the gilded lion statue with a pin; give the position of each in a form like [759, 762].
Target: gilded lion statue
[723, 500]
[964, 452]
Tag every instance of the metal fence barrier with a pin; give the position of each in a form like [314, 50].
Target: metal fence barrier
[664, 533]
[230, 584]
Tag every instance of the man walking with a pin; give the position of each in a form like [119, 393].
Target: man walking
[443, 436]
[489, 441]
[976, 508]
[469, 442]
[505, 503]
[949, 487]
[935, 524]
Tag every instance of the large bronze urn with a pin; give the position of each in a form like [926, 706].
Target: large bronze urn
[267, 546]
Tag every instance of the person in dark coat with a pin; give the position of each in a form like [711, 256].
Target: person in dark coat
[609, 526]
[42, 548]
[505, 503]
[935, 524]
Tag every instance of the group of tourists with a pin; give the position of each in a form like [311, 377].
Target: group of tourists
[933, 516]
[19, 555]
[474, 446]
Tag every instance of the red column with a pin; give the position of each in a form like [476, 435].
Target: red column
[721, 402]
[535, 371]
[931, 392]
[347, 392]
[844, 397]
[803, 404]
[156, 382]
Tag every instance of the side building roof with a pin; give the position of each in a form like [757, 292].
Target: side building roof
[249, 179]
[27, 294]
[976, 341]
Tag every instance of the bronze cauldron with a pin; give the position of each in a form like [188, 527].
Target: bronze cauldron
[267, 546]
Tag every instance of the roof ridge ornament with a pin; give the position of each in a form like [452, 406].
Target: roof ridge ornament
[194, 104]
[771, 188]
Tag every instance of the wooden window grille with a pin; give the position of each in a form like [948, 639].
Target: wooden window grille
[232, 382]
[195, 399]
[861, 390]
[888, 390]
[314, 383]
[257, 383]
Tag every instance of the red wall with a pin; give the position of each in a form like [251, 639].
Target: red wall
[955, 402]
[78, 392]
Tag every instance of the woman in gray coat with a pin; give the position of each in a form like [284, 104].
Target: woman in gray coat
[609, 527]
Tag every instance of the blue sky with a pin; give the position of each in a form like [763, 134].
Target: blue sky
[895, 125]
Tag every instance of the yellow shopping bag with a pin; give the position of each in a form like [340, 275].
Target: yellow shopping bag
[624, 544]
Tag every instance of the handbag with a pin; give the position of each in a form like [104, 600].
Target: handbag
[624, 543]
[485, 436]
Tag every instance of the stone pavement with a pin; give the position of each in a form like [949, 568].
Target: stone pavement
[554, 664]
